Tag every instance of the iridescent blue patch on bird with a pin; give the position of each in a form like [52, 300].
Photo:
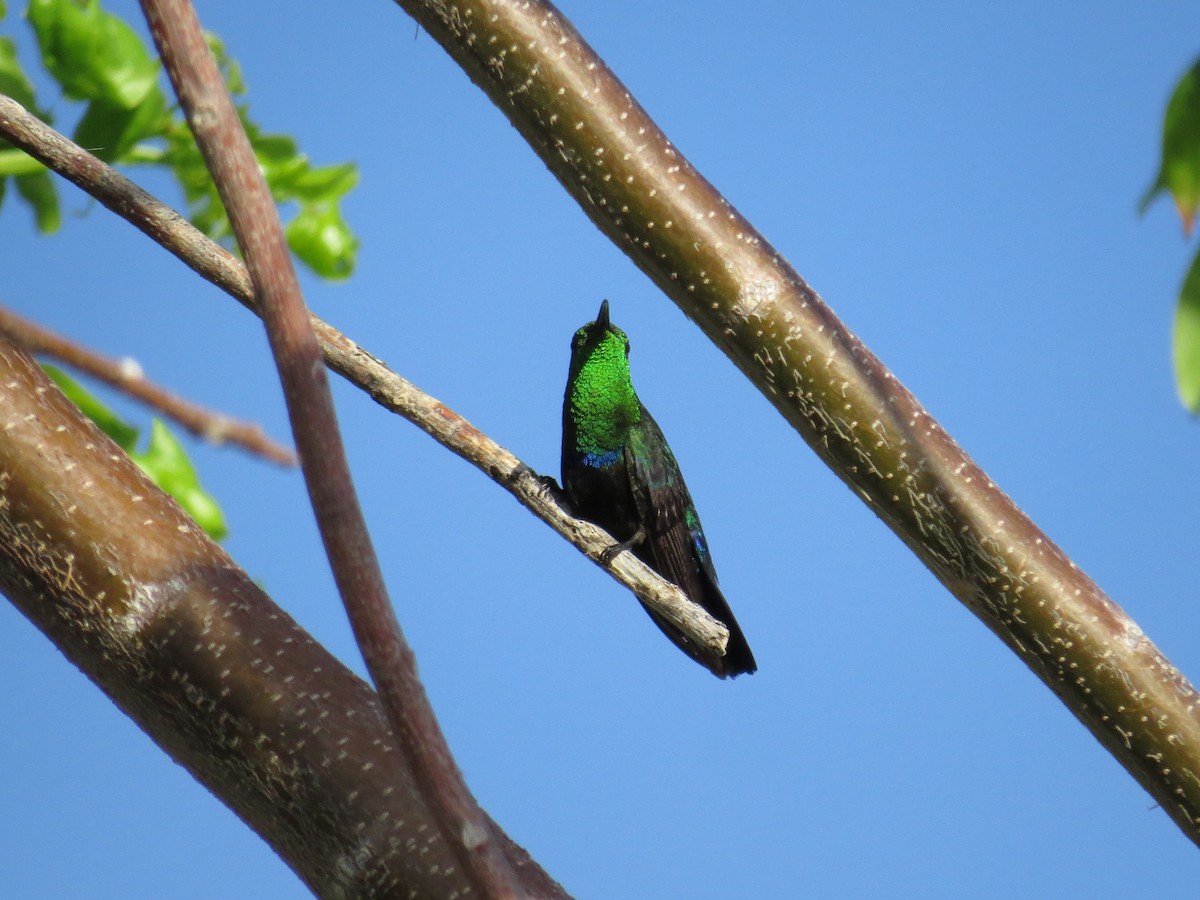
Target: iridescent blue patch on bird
[697, 534]
[600, 460]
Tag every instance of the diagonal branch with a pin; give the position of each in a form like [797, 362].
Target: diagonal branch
[128, 378]
[231, 161]
[647, 198]
[189, 647]
[174, 233]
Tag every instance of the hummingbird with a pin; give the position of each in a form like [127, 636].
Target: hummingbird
[619, 473]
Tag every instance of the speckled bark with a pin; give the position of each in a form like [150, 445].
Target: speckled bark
[642, 193]
[183, 641]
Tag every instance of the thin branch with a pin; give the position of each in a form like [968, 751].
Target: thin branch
[174, 233]
[126, 376]
[231, 161]
[651, 202]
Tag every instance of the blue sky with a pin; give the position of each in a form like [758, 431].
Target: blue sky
[959, 182]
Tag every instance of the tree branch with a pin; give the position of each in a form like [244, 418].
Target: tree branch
[231, 161]
[127, 377]
[649, 200]
[133, 593]
[173, 232]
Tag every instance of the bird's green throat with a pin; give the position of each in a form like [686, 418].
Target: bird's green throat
[600, 397]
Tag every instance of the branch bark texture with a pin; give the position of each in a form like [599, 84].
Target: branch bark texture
[131, 591]
[648, 199]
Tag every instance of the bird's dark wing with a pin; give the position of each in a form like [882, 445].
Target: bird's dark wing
[675, 545]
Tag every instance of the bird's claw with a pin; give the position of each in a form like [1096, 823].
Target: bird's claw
[611, 553]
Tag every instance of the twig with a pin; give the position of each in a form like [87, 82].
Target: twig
[211, 426]
[227, 152]
[210, 261]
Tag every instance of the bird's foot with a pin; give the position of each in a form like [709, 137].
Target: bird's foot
[611, 553]
[557, 494]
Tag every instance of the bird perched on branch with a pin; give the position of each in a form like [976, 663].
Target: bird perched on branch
[619, 473]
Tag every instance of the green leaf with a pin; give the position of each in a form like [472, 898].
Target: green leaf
[168, 466]
[16, 84]
[320, 237]
[109, 130]
[326, 183]
[18, 162]
[164, 460]
[1187, 340]
[13, 80]
[124, 435]
[37, 189]
[93, 55]
[1179, 172]
[99, 59]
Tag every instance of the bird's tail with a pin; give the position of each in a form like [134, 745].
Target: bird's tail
[738, 658]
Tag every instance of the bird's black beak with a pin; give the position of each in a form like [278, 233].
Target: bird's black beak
[602, 318]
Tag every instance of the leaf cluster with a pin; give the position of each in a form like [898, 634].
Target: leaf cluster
[99, 61]
[1179, 175]
[107, 74]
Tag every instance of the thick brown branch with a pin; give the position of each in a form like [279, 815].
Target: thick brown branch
[231, 161]
[135, 595]
[170, 230]
[641, 192]
[214, 427]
